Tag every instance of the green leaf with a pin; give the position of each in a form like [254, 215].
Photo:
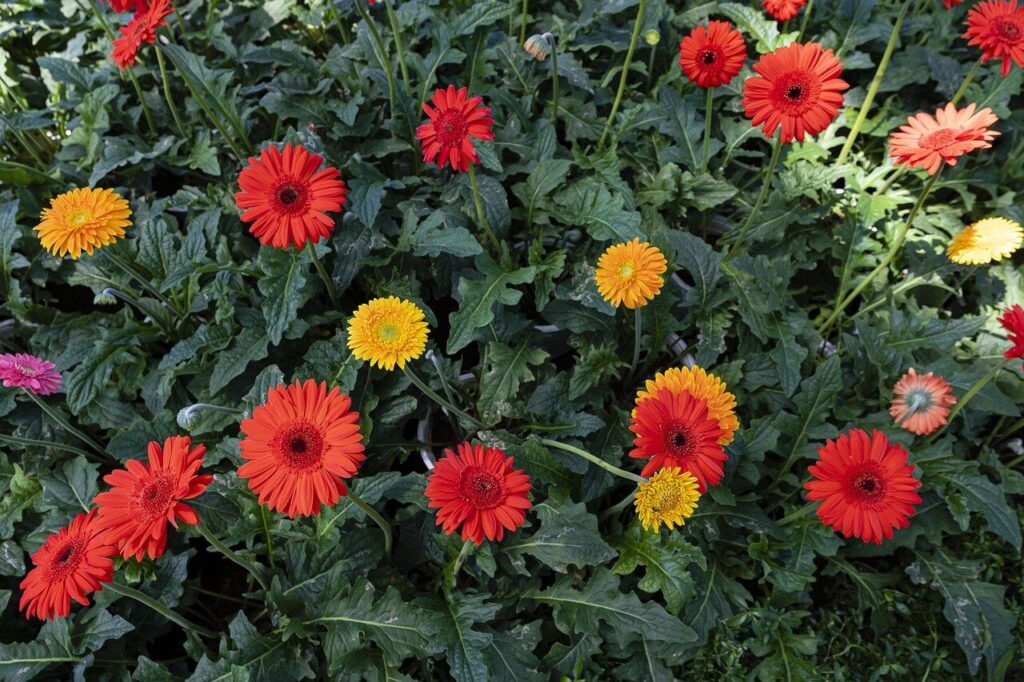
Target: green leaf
[283, 285]
[702, 263]
[478, 298]
[666, 560]
[509, 657]
[258, 657]
[596, 365]
[544, 179]
[479, 15]
[20, 662]
[434, 236]
[813, 402]
[465, 645]
[72, 489]
[249, 346]
[568, 535]
[591, 206]
[506, 369]
[984, 496]
[718, 596]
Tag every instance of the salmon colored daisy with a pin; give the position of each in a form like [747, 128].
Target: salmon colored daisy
[927, 142]
[455, 120]
[299, 445]
[921, 402]
[1012, 320]
[478, 489]
[996, 27]
[712, 56]
[286, 195]
[73, 562]
[797, 88]
[35, 375]
[865, 484]
[146, 496]
[674, 430]
[668, 498]
[702, 385]
[986, 241]
[83, 220]
[387, 332]
[782, 10]
[630, 274]
[141, 29]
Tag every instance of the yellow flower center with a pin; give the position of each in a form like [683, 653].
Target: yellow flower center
[664, 499]
[80, 216]
[627, 270]
[387, 332]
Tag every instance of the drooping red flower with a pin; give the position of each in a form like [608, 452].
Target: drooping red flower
[300, 444]
[73, 562]
[477, 488]
[997, 28]
[712, 56]
[455, 121]
[798, 88]
[1012, 320]
[782, 10]
[926, 142]
[141, 29]
[286, 196]
[673, 429]
[866, 485]
[145, 496]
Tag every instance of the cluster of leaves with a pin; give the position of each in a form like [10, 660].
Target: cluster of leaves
[531, 348]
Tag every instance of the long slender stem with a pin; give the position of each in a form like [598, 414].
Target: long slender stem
[65, 425]
[593, 459]
[803, 22]
[170, 615]
[131, 272]
[637, 339]
[328, 284]
[34, 443]
[399, 47]
[967, 81]
[522, 24]
[229, 554]
[625, 72]
[385, 527]
[265, 520]
[971, 392]
[453, 569]
[375, 34]
[797, 514]
[707, 127]
[765, 186]
[869, 98]
[167, 93]
[432, 394]
[554, 82]
[142, 100]
[480, 210]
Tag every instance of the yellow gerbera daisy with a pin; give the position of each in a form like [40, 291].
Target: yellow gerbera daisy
[702, 385]
[82, 220]
[988, 240]
[630, 274]
[387, 332]
[669, 497]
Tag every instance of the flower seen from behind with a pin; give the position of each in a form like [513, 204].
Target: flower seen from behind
[712, 56]
[996, 27]
[455, 120]
[702, 385]
[782, 10]
[668, 498]
[630, 274]
[83, 220]
[35, 375]
[986, 241]
[926, 141]
[921, 402]
[387, 332]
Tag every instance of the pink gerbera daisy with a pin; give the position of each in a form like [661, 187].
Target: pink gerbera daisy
[33, 374]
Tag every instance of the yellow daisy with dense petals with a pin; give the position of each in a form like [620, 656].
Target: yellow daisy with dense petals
[82, 220]
[387, 332]
[630, 274]
[668, 497]
[702, 385]
[988, 240]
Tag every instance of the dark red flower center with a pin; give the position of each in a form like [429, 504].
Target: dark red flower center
[155, 496]
[868, 486]
[939, 139]
[1007, 29]
[679, 440]
[451, 128]
[794, 93]
[300, 446]
[480, 488]
[708, 56]
[66, 558]
[291, 197]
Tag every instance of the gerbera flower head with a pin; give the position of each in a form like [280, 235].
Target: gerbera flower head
[35, 375]
[120, 6]
[797, 88]
[299, 445]
[997, 28]
[921, 402]
[669, 497]
[865, 484]
[950, 4]
[712, 56]
[141, 29]
[477, 488]
[82, 220]
[387, 332]
[925, 142]
[145, 496]
[286, 196]
[630, 274]
[455, 120]
[674, 430]
[73, 562]
[702, 385]
[782, 10]
[538, 46]
[1012, 320]
[988, 240]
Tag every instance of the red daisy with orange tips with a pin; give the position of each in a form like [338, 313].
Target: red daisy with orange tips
[927, 142]
[146, 496]
[712, 56]
[797, 88]
[73, 562]
[782, 10]
[865, 484]
[455, 121]
[286, 195]
[299, 445]
[673, 429]
[1012, 320]
[478, 489]
[996, 27]
[141, 29]
[921, 402]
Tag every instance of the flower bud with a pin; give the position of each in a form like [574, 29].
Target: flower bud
[652, 37]
[538, 46]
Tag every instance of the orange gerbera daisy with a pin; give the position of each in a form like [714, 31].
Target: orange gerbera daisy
[866, 485]
[286, 196]
[630, 274]
[926, 142]
[141, 29]
[782, 10]
[674, 430]
[702, 385]
[478, 489]
[299, 445]
[997, 28]
[455, 121]
[712, 56]
[798, 88]
[921, 402]
[73, 562]
[145, 497]
[1012, 320]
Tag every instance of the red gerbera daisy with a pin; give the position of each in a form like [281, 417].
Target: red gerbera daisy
[1012, 320]
[286, 197]
[145, 497]
[299, 445]
[126, 5]
[674, 430]
[926, 142]
[712, 56]
[478, 489]
[950, 4]
[797, 87]
[141, 29]
[73, 562]
[455, 121]
[997, 28]
[782, 10]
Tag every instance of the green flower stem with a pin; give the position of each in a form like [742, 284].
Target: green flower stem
[897, 174]
[798, 514]
[707, 127]
[399, 47]
[65, 425]
[807, 18]
[765, 186]
[385, 527]
[625, 72]
[637, 339]
[889, 257]
[440, 376]
[131, 272]
[522, 24]
[967, 81]
[170, 615]
[328, 284]
[167, 94]
[33, 443]
[430, 393]
[265, 520]
[228, 553]
[375, 34]
[554, 82]
[619, 506]
[452, 573]
[480, 210]
[883, 65]
[971, 392]
[610, 468]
